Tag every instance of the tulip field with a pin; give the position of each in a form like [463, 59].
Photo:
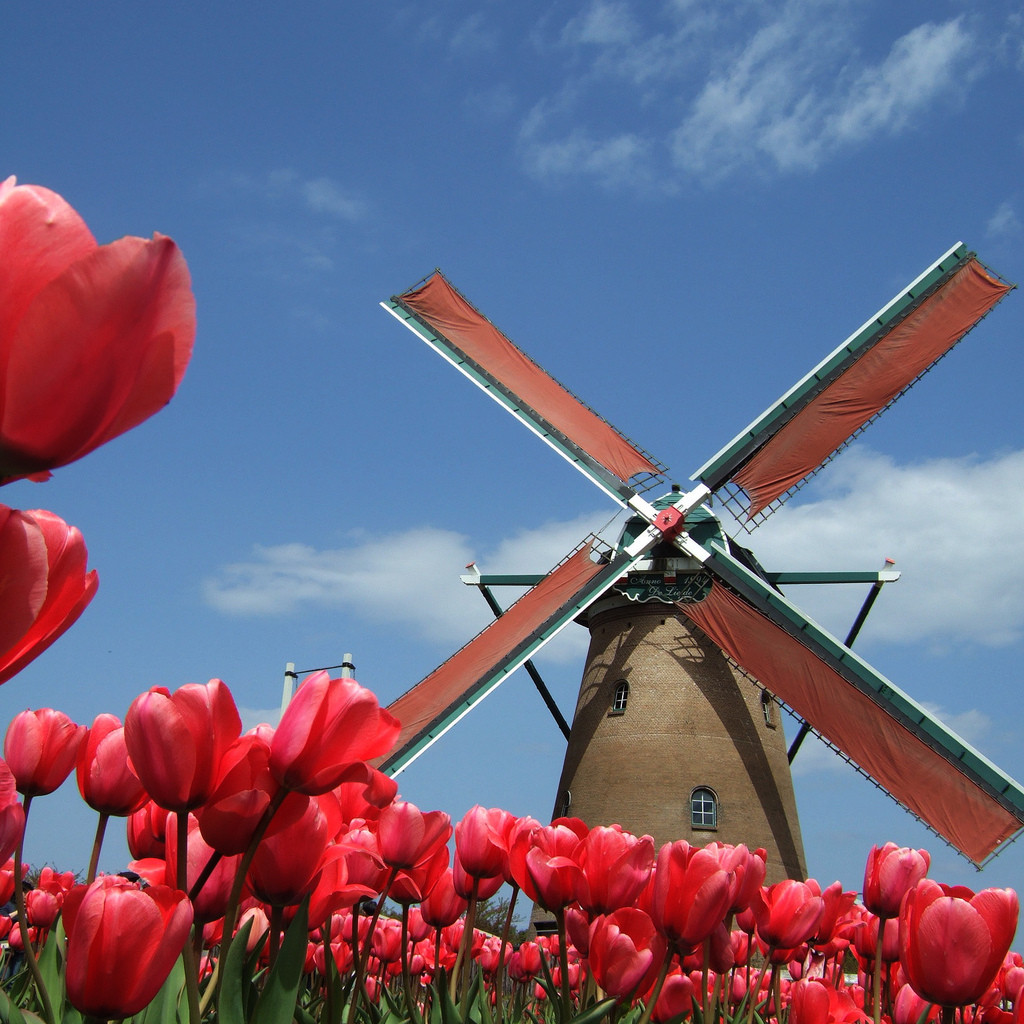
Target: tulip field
[276, 876]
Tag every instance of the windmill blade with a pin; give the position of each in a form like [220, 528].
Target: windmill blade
[442, 317]
[927, 768]
[435, 704]
[827, 409]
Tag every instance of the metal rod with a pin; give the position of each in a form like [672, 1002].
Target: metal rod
[876, 589]
[529, 666]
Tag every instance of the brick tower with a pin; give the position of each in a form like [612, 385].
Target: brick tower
[669, 740]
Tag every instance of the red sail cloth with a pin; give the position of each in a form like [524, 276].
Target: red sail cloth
[906, 767]
[420, 707]
[450, 315]
[804, 443]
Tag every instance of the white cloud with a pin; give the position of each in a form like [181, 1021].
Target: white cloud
[721, 88]
[952, 525]
[1004, 222]
[325, 196]
[362, 577]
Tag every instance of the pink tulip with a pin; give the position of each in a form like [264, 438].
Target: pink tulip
[690, 895]
[616, 867]
[46, 585]
[626, 952]
[953, 941]
[93, 339]
[211, 901]
[787, 913]
[407, 836]
[147, 831]
[284, 867]
[890, 872]
[177, 741]
[12, 819]
[328, 728]
[122, 943]
[41, 748]
[443, 906]
[553, 866]
[481, 841]
[106, 782]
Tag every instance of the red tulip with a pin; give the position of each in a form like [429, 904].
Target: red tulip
[748, 871]
[147, 831]
[45, 587]
[122, 943]
[676, 998]
[787, 913]
[553, 866]
[211, 901]
[415, 884]
[626, 952]
[890, 871]
[443, 906]
[41, 748]
[952, 941]
[329, 726]
[177, 741]
[691, 894]
[93, 339]
[241, 795]
[481, 841]
[616, 866]
[284, 867]
[407, 836]
[12, 818]
[105, 781]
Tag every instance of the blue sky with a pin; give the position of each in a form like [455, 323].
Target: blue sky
[677, 208]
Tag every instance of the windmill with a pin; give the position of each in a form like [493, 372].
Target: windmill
[694, 647]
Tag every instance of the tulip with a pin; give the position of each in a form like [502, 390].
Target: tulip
[122, 942]
[953, 941]
[616, 867]
[176, 741]
[46, 586]
[12, 818]
[283, 869]
[40, 749]
[106, 782]
[147, 831]
[691, 894]
[787, 913]
[553, 867]
[443, 906]
[481, 841]
[210, 902]
[93, 339]
[407, 836]
[626, 952]
[890, 872]
[328, 728]
[241, 795]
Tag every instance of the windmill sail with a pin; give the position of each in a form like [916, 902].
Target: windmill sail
[822, 413]
[926, 767]
[436, 703]
[439, 315]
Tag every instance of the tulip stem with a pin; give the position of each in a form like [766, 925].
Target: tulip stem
[410, 998]
[97, 843]
[500, 977]
[876, 979]
[563, 963]
[19, 902]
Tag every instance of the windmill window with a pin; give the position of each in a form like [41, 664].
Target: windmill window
[703, 809]
[621, 697]
[768, 707]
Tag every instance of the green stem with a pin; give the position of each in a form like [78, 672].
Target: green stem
[97, 843]
[876, 982]
[19, 902]
[500, 976]
[410, 999]
[189, 958]
[235, 897]
[563, 963]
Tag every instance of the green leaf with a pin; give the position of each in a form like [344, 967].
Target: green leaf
[166, 1005]
[231, 1001]
[594, 1013]
[277, 1003]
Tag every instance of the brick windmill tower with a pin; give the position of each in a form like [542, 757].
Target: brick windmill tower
[695, 648]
